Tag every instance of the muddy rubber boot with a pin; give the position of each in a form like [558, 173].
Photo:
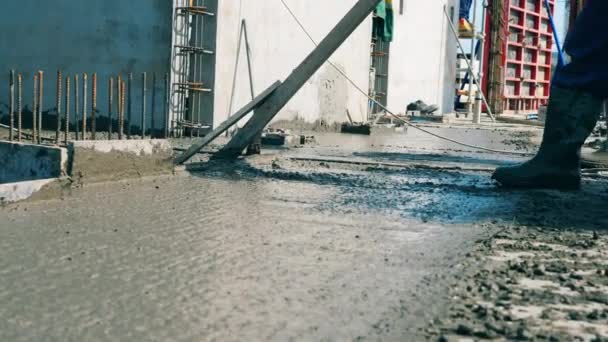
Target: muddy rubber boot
[571, 116]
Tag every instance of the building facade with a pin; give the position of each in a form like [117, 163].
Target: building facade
[421, 63]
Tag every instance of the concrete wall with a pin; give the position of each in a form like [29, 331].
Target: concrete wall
[99, 161]
[422, 62]
[103, 36]
[278, 46]
[25, 162]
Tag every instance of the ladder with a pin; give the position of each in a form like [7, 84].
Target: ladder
[188, 86]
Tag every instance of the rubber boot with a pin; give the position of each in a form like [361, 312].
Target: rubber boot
[571, 117]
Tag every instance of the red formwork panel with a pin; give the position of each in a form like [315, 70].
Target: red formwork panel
[527, 55]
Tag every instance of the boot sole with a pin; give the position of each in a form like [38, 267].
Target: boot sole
[548, 182]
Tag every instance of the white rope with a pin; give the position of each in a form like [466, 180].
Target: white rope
[386, 109]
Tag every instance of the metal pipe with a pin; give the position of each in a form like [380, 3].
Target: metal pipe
[94, 107]
[194, 96]
[40, 101]
[11, 107]
[19, 106]
[110, 105]
[58, 106]
[236, 68]
[67, 110]
[473, 42]
[76, 105]
[143, 106]
[35, 110]
[201, 62]
[84, 106]
[129, 105]
[249, 66]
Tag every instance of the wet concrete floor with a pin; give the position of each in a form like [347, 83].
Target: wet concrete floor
[264, 249]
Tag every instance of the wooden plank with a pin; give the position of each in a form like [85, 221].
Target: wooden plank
[197, 146]
[275, 102]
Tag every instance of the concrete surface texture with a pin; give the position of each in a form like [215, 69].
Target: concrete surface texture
[273, 248]
[423, 57]
[22, 162]
[108, 37]
[97, 161]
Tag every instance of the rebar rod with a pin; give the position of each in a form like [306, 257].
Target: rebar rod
[153, 105]
[67, 110]
[19, 106]
[143, 106]
[84, 106]
[118, 102]
[121, 122]
[129, 105]
[40, 101]
[11, 107]
[58, 106]
[94, 106]
[110, 105]
[76, 105]
[166, 106]
[35, 110]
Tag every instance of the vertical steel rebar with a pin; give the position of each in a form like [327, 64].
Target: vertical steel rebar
[118, 85]
[76, 106]
[58, 106]
[121, 130]
[19, 106]
[144, 90]
[110, 105]
[153, 106]
[11, 106]
[129, 105]
[94, 106]
[35, 110]
[40, 101]
[84, 105]
[200, 78]
[166, 106]
[67, 110]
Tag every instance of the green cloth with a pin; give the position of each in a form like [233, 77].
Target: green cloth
[384, 21]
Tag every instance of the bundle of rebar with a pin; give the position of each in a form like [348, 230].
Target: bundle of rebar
[84, 126]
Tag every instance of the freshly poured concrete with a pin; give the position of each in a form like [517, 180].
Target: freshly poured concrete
[268, 248]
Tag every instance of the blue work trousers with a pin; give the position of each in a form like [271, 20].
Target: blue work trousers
[587, 46]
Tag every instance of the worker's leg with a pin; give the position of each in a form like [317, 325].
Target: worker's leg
[576, 97]
[464, 26]
[465, 9]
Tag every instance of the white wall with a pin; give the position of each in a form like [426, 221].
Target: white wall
[278, 45]
[423, 55]
[422, 62]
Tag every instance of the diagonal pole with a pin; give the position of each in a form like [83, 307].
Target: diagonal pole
[277, 100]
